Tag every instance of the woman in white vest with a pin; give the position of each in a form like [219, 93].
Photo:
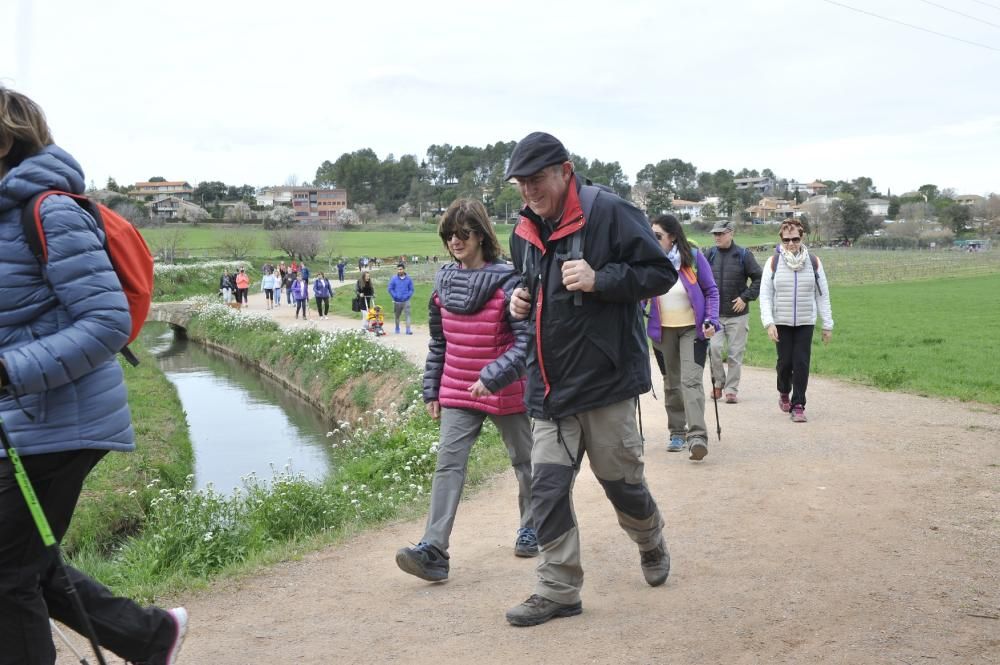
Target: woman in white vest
[793, 293]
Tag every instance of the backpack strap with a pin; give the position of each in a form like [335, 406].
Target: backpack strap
[588, 194]
[813, 260]
[711, 254]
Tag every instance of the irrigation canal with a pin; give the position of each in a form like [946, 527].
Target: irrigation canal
[240, 422]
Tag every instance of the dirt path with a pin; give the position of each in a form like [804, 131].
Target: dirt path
[868, 535]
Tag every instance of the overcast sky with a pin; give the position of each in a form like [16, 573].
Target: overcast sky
[256, 92]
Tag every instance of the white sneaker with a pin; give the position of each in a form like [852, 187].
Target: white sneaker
[180, 617]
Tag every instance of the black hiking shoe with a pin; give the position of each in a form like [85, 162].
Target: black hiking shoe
[526, 544]
[538, 610]
[655, 564]
[425, 561]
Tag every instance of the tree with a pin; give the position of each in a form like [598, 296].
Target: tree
[238, 213]
[208, 193]
[157, 178]
[237, 246]
[708, 212]
[166, 245]
[851, 217]
[279, 217]
[509, 202]
[113, 186]
[298, 244]
[956, 216]
[820, 217]
[666, 179]
[607, 173]
[134, 212]
[348, 217]
[929, 191]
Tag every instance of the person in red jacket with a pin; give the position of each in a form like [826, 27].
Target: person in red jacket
[474, 371]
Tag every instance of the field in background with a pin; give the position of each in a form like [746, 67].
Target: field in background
[204, 241]
[930, 338]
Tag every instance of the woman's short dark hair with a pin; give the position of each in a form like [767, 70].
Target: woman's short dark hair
[22, 122]
[470, 215]
[670, 225]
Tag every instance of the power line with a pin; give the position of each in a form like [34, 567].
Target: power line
[987, 4]
[910, 25]
[955, 11]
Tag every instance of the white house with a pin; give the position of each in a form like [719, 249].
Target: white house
[268, 196]
[877, 207]
[692, 209]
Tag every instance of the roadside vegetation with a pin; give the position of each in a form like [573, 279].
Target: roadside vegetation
[383, 463]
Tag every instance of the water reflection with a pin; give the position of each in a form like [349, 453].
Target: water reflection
[239, 421]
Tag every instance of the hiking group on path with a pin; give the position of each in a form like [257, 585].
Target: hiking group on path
[552, 349]
[585, 263]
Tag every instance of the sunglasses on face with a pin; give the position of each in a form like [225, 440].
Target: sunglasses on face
[462, 233]
[790, 240]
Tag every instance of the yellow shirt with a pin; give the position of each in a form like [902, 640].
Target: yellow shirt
[675, 308]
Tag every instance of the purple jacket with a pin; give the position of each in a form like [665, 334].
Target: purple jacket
[702, 292]
[300, 290]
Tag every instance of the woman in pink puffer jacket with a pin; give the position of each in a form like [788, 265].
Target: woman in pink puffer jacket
[475, 371]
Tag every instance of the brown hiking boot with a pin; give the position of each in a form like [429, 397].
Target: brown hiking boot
[536, 610]
[784, 403]
[655, 564]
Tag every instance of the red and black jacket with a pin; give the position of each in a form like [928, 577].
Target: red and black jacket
[588, 352]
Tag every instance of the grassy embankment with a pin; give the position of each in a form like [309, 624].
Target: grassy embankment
[118, 493]
[383, 469]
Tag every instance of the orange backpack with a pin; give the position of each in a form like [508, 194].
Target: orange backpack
[125, 246]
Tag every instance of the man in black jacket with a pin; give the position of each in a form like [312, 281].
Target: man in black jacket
[732, 266]
[587, 258]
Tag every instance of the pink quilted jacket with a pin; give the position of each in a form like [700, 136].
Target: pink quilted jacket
[472, 339]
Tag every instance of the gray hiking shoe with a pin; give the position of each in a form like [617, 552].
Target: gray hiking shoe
[655, 564]
[526, 544]
[538, 610]
[699, 448]
[425, 561]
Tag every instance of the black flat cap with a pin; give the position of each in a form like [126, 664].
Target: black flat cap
[533, 153]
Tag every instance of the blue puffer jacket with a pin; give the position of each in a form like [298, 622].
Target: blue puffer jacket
[60, 330]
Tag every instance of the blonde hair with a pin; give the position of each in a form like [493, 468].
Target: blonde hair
[23, 125]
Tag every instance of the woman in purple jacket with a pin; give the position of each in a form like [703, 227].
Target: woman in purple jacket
[680, 323]
[475, 371]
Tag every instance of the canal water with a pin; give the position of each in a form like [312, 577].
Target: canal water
[240, 422]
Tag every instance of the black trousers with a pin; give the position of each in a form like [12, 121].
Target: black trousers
[301, 306]
[31, 587]
[322, 305]
[794, 351]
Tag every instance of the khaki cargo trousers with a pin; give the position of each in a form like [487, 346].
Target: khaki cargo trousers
[610, 438]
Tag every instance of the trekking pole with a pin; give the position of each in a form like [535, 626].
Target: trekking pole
[48, 539]
[65, 640]
[718, 427]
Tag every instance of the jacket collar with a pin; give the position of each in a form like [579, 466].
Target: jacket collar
[570, 221]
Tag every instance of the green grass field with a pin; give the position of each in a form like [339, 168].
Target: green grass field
[929, 338]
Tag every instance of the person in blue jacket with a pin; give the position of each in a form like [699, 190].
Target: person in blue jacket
[401, 290]
[322, 292]
[63, 400]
